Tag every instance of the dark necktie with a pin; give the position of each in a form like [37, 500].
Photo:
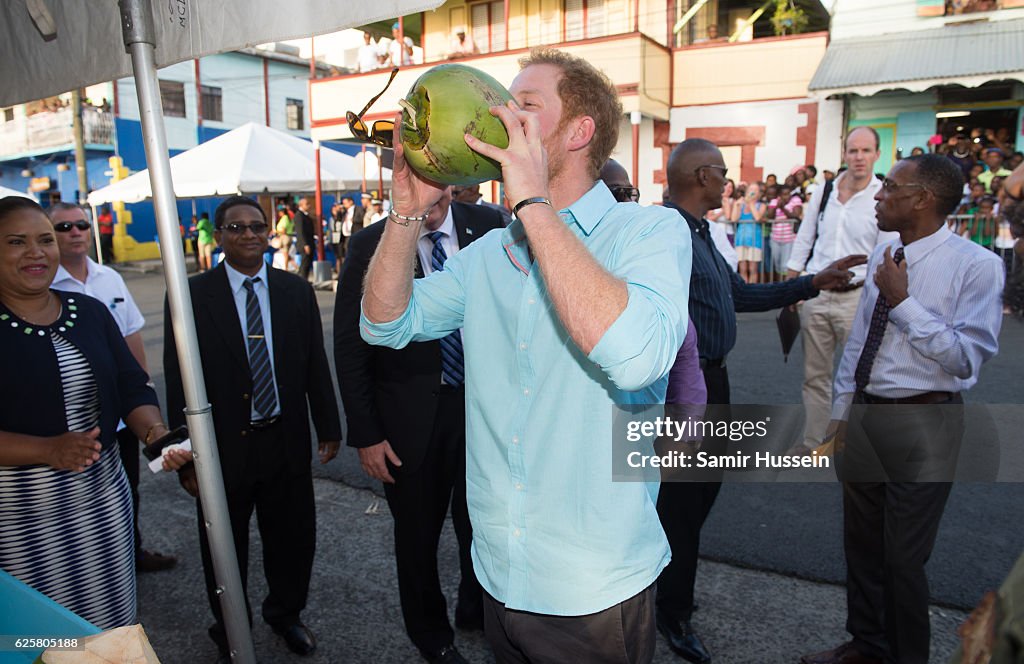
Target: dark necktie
[879, 320]
[264, 399]
[452, 370]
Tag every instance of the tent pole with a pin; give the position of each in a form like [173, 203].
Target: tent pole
[138, 32]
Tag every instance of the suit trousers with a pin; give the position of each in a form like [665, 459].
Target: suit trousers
[128, 449]
[286, 516]
[305, 262]
[825, 324]
[621, 634]
[419, 502]
[889, 527]
[683, 507]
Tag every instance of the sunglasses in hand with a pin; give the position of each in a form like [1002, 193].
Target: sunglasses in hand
[381, 131]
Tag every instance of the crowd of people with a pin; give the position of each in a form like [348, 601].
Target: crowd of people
[481, 359]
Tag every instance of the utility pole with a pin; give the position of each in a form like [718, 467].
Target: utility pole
[76, 127]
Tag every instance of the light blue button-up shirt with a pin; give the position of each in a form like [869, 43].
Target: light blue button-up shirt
[552, 533]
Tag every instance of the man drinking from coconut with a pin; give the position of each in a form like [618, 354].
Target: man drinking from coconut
[579, 306]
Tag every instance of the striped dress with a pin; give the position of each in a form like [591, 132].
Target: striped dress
[66, 534]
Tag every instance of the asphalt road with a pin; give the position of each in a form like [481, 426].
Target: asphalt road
[772, 552]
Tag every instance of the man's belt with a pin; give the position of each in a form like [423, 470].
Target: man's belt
[924, 398]
[264, 424]
[712, 363]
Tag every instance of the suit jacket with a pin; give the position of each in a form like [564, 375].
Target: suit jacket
[300, 367]
[358, 215]
[305, 233]
[391, 394]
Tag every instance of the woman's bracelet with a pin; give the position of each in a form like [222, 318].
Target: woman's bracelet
[149, 431]
[403, 220]
[529, 201]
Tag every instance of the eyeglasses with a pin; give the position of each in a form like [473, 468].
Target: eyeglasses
[724, 169]
[259, 228]
[381, 131]
[66, 226]
[892, 187]
[625, 194]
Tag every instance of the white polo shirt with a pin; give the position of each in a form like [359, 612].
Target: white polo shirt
[107, 286]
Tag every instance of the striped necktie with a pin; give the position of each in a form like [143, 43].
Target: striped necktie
[452, 368]
[879, 321]
[264, 399]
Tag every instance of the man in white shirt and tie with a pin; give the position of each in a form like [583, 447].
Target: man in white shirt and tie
[929, 317]
[845, 225]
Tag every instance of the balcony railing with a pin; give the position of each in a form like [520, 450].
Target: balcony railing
[53, 129]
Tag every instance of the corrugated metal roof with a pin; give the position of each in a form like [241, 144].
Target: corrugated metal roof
[950, 52]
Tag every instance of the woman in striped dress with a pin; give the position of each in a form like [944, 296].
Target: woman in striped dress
[65, 507]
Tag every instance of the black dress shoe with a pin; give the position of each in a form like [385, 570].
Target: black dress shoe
[447, 655]
[151, 561]
[682, 639]
[297, 637]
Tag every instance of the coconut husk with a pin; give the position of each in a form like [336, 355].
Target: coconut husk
[122, 645]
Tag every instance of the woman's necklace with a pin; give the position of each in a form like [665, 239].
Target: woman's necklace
[44, 315]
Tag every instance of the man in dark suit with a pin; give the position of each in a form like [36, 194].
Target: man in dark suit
[305, 237]
[406, 417]
[265, 367]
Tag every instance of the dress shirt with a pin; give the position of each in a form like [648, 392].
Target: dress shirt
[685, 379]
[717, 292]
[107, 286]
[937, 338]
[552, 533]
[237, 282]
[450, 242]
[847, 228]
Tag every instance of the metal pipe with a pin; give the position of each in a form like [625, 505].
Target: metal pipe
[138, 32]
[266, 91]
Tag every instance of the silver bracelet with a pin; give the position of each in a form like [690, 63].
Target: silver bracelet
[403, 220]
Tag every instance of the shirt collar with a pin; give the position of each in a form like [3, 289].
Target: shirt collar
[91, 268]
[920, 248]
[873, 186]
[237, 280]
[694, 223]
[447, 226]
[587, 212]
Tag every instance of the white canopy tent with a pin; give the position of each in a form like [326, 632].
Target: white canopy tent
[50, 47]
[5, 192]
[251, 159]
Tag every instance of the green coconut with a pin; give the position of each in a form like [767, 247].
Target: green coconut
[443, 104]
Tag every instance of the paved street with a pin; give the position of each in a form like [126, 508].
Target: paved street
[768, 585]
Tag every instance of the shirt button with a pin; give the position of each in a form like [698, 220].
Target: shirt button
[526, 392]
[516, 532]
[522, 346]
[515, 440]
[531, 301]
[519, 487]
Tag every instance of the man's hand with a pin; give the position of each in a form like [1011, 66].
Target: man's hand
[524, 163]
[374, 459]
[837, 275]
[74, 450]
[836, 434]
[891, 279]
[328, 450]
[977, 633]
[412, 195]
[176, 459]
[188, 480]
[306, 249]
[792, 274]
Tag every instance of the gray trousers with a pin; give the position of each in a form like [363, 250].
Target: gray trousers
[621, 634]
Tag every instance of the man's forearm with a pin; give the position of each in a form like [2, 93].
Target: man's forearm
[137, 348]
[388, 284]
[586, 297]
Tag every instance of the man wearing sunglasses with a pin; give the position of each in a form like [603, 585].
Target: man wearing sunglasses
[77, 273]
[266, 373]
[577, 307]
[406, 418]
